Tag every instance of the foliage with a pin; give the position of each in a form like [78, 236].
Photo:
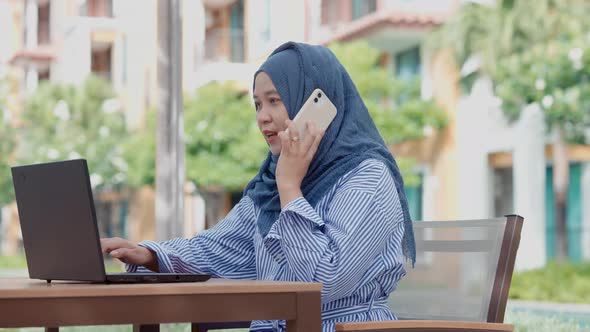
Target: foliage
[13, 262]
[492, 32]
[556, 77]
[7, 145]
[223, 144]
[69, 122]
[139, 151]
[556, 282]
[535, 52]
[395, 105]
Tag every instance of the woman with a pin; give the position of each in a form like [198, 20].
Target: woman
[325, 207]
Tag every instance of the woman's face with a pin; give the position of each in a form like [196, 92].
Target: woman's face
[271, 113]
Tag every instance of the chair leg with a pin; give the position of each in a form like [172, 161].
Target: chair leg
[52, 329]
[206, 327]
[146, 328]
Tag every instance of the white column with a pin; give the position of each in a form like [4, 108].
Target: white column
[475, 190]
[4, 213]
[31, 79]
[426, 88]
[529, 187]
[31, 24]
[586, 211]
[430, 185]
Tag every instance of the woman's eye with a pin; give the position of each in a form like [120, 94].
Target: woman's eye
[257, 106]
[274, 100]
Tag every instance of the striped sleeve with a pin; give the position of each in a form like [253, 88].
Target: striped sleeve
[224, 251]
[362, 218]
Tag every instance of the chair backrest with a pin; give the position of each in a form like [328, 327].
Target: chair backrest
[463, 270]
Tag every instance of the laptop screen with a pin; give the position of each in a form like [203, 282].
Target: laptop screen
[58, 221]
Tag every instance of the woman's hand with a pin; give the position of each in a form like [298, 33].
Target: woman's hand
[296, 155]
[129, 252]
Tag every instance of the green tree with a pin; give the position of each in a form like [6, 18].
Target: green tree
[139, 152]
[535, 53]
[395, 105]
[225, 148]
[7, 146]
[223, 143]
[68, 122]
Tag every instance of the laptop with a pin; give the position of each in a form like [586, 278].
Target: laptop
[59, 227]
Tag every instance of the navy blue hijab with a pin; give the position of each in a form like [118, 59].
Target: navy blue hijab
[296, 70]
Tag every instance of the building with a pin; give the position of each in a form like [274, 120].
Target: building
[480, 165]
[477, 167]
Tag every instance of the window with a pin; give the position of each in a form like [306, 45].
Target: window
[414, 197]
[574, 225]
[503, 191]
[236, 36]
[43, 75]
[101, 62]
[407, 63]
[43, 26]
[361, 8]
[265, 32]
[96, 8]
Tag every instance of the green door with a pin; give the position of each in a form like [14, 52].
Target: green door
[414, 196]
[237, 31]
[574, 214]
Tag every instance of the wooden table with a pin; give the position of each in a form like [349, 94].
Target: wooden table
[27, 303]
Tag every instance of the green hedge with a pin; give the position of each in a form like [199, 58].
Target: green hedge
[556, 282]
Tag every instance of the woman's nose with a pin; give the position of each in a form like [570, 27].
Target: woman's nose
[264, 115]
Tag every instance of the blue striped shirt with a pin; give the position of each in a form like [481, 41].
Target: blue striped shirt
[350, 242]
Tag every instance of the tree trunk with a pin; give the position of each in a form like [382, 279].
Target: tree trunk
[560, 188]
[169, 132]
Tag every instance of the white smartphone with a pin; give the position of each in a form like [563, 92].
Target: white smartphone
[319, 109]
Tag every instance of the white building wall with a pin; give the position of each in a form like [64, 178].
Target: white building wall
[138, 31]
[73, 58]
[483, 129]
[286, 20]
[7, 46]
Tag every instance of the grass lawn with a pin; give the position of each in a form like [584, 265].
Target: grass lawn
[556, 282]
[13, 262]
[19, 262]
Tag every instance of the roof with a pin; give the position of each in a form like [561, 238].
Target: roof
[387, 19]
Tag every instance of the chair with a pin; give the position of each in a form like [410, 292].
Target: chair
[460, 281]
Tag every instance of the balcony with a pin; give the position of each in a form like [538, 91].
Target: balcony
[216, 4]
[96, 8]
[224, 45]
[39, 57]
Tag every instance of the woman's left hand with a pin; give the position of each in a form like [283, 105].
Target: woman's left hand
[296, 155]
